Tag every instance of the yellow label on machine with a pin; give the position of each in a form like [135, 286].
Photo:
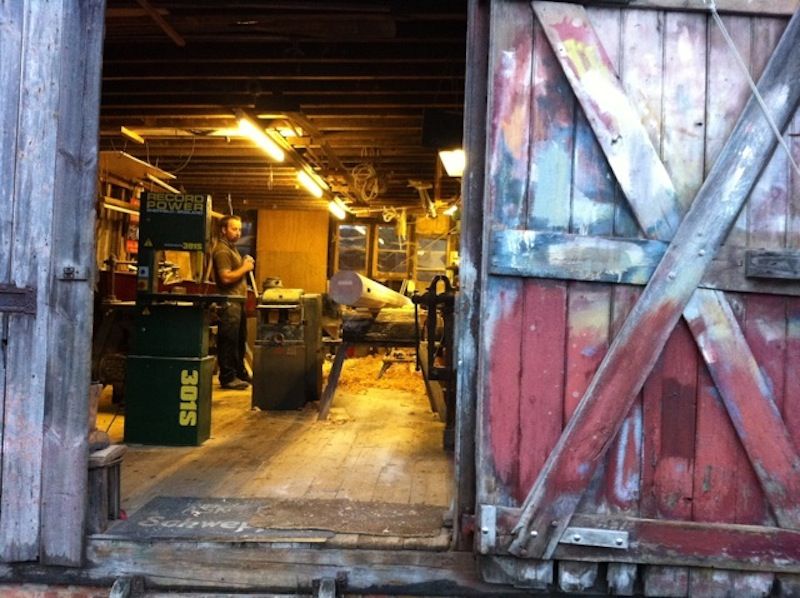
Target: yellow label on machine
[175, 203]
[188, 394]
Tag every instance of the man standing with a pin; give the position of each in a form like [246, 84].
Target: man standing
[230, 270]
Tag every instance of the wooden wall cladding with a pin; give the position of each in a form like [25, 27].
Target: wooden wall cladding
[293, 245]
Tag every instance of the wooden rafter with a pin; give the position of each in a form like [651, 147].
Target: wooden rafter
[162, 23]
[673, 287]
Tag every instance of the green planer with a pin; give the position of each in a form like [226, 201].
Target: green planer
[288, 354]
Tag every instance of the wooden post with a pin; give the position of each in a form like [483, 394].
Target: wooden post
[571, 465]
[468, 300]
[65, 450]
[50, 80]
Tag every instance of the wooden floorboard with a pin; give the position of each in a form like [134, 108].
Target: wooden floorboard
[379, 444]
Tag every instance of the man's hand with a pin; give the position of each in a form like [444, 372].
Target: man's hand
[248, 263]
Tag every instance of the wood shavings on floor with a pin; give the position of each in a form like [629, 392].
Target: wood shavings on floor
[360, 374]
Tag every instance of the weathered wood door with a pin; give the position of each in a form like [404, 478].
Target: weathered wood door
[50, 57]
[639, 337]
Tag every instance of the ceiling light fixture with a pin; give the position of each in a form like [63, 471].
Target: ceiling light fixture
[314, 187]
[154, 179]
[453, 161]
[255, 132]
[132, 135]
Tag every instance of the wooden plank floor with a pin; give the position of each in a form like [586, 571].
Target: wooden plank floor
[380, 444]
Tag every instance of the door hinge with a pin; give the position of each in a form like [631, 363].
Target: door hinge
[17, 300]
[487, 528]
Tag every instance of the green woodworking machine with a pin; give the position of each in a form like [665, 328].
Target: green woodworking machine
[168, 371]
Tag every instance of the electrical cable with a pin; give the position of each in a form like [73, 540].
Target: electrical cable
[188, 158]
[754, 88]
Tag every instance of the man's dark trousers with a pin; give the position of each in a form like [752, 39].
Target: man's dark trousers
[231, 337]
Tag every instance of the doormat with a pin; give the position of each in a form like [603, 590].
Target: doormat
[351, 517]
[274, 520]
[204, 519]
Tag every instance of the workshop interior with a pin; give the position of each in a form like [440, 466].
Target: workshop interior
[333, 130]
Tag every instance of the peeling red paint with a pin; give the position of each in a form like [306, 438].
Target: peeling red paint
[503, 387]
[542, 379]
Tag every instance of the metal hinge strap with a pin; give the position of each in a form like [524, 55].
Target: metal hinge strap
[16, 300]
[602, 538]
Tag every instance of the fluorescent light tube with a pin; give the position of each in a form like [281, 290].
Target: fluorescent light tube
[256, 133]
[337, 210]
[309, 183]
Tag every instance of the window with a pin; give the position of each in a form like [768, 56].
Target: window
[351, 248]
[391, 252]
[431, 257]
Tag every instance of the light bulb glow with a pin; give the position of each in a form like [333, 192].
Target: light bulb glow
[453, 161]
[451, 210]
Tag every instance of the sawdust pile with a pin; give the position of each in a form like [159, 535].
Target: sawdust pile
[360, 375]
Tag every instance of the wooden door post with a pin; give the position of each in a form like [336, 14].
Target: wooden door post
[50, 82]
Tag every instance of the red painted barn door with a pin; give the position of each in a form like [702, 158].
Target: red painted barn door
[612, 427]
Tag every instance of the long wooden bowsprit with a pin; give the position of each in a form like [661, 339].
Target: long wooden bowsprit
[573, 461]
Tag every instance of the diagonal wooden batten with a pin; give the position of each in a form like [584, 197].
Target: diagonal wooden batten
[757, 422]
[570, 466]
[625, 142]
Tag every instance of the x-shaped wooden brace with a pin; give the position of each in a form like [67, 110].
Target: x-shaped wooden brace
[673, 286]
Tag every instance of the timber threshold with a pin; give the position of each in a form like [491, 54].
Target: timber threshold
[373, 476]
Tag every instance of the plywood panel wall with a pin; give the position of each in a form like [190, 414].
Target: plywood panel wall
[293, 245]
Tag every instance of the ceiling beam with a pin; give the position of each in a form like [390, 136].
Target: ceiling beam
[162, 23]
